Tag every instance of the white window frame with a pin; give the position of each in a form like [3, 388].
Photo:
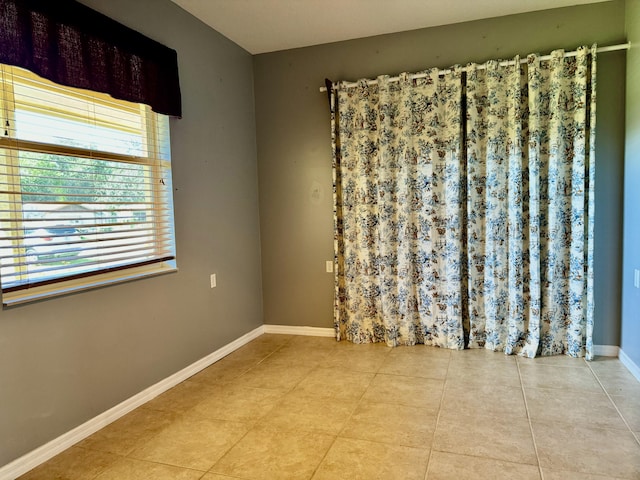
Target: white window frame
[158, 164]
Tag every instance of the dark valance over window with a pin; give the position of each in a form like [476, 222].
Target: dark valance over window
[73, 45]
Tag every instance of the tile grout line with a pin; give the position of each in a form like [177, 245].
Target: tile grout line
[606, 392]
[165, 464]
[179, 416]
[335, 438]
[359, 400]
[252, 425]
[526, 408]
[273, 352]
[315, 470]
[435, 428]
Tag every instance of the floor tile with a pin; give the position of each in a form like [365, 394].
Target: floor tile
[301, 354]
[259, 349]
[550, 474]
[278, 338]
[307, 342]
[603, 364]
[215, 476]
[409, 391]
[238, 404]
[130, 431]
[448, 466]
[392, 423]
[193, 442]
[266, 343]
[424, 350]
[554, 360]
[267, 453]
[552, 376]
[589, 450]
[359, 358]
[488, 400]
[223, 371]
[507, 439]
[351, 459]
[315, 346]
[180, 398]
[360, 347]
[498, 374]
[479, 357]
[273, 376]
[573, 407]
[619, 383]
[302, 412]
[416, 361]
[130, 469]
[73, 464]
[338, 384]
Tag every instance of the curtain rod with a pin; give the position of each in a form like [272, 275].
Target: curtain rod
[611, 48]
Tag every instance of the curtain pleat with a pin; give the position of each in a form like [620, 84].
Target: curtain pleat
[560, 101]
[468, 222]
[497, 243]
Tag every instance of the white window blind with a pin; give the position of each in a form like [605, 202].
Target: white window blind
[85, 183]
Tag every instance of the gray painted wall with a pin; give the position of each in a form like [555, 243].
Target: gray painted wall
[631, 295]
[294, 156]
[66, 360]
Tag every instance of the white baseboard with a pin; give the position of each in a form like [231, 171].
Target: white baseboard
[41, 454]
[606, 350]
[294, 330]
[630, 364]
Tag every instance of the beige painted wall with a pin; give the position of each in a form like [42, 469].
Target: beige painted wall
[294, 155]
[66, 360]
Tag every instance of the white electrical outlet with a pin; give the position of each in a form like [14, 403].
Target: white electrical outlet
[636, 278]
[329, 266]
[213, 280]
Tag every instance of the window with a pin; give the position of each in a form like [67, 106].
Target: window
[85, 188]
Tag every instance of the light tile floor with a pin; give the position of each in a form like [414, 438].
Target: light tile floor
[287, 407]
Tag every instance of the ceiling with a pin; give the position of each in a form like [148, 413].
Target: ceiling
[261, 26]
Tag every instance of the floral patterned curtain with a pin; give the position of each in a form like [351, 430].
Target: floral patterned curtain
[464, 207]
[399, 176]
[497, 186]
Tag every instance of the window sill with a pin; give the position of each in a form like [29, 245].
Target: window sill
[66, 288]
